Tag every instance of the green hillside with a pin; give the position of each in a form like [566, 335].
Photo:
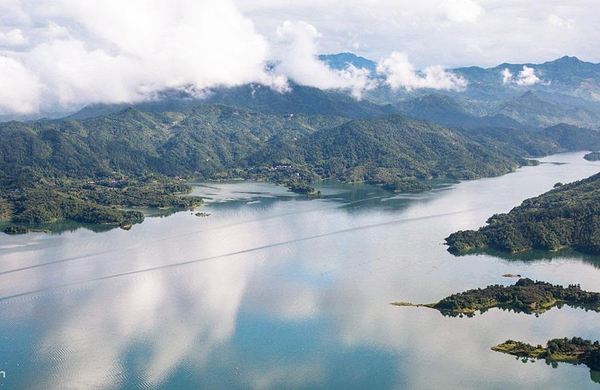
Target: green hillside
[100, 161]
[567, 216]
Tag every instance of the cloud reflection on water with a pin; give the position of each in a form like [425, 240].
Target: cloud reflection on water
[302, 314]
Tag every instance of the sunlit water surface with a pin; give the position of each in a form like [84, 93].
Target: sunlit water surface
[274, 290]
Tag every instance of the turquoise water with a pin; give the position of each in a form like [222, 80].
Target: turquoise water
[274, 290]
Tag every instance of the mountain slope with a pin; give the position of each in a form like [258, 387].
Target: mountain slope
[299, 101]
[530, 109]
[449, 111]
[100, 160]
[393, 147]
[341, 61]
[567, 75]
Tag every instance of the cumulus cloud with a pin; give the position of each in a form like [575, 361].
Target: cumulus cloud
[507, 76]
[87, 52]
[400, 73]
[462, 10]
[19, 88]
[527, 77]
[13, 38]
[299, 61]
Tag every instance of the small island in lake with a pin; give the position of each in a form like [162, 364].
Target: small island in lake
[566, 217]
[575, 350]
[525, 296]
[593, 156]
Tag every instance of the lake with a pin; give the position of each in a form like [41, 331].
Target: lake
[275, 290]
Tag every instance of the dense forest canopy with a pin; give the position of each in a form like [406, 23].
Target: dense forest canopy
[567, 216]
[52, 169]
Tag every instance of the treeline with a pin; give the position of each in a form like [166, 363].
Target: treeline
[567, 216]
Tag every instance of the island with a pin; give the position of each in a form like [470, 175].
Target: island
[567, 216]
[593, 156]
[526, 296]
[575, 350]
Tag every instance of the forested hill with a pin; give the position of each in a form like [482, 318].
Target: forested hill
[383, 149]
[567, 216]
[221, 142]
[205, 140]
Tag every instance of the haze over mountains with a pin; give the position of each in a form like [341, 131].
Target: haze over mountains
[566, 90]
[567, 75]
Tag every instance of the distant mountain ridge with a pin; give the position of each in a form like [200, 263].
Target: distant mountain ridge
[449, 111]
[566, 75]
[300, 100]
[342, 60]
[565, 94]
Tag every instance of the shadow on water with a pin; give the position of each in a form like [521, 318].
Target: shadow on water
[509, 309]
[64, 227]
[72, 226]
[536, 255]
[358, 197]
[352, 198]
[594, 375]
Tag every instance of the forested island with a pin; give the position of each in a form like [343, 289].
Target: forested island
[566, 217]
[526, 296]
[575, 350]
[593, 156]
[90, 170]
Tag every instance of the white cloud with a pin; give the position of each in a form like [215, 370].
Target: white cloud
[508, 31]
[144, 46]
[462, 10]
[559, 22]
[19, 88]
[400, 73]
[13, 38]
[54, 30]
[90, 53]
[299, 62]
[506, 76]
[527, 77]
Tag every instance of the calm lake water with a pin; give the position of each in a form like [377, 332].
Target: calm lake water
[277, 291]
